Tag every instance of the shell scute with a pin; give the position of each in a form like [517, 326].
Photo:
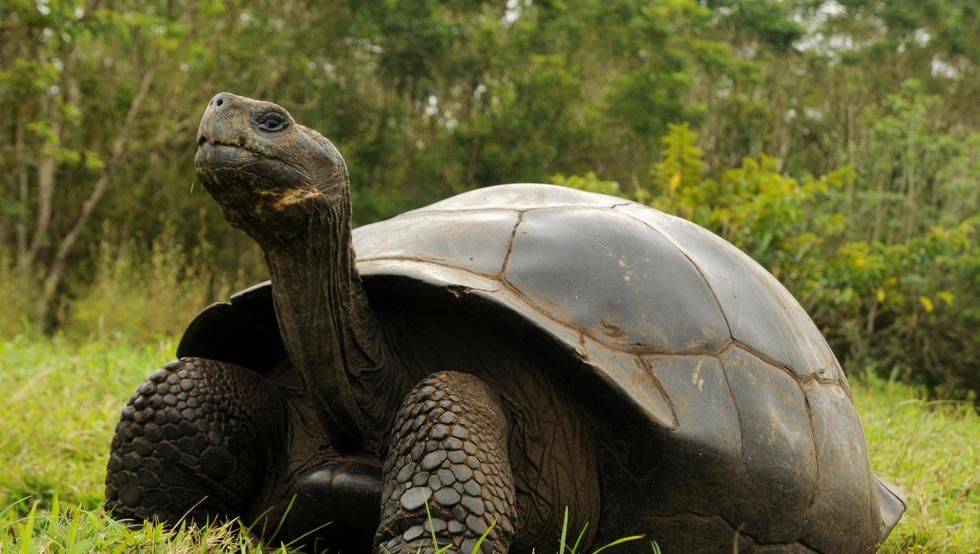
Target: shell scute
[476, 241]
[778, 472]
[843, 492]
[707, 437]
[609, 276]
[761, 313]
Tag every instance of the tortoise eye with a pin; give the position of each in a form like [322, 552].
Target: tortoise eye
[272, 122]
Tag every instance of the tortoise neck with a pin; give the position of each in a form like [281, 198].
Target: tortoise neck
[329, 329]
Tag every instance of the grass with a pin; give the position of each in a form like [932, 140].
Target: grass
[931, 449]
[62, 400]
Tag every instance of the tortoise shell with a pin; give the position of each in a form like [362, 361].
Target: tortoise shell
[708, 352]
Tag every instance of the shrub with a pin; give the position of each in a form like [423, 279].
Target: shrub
[145, 294]
[18, 295]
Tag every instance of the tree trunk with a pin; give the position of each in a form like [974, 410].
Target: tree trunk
[47, 171]
[56, 272]
[910, 191]
[23, 194]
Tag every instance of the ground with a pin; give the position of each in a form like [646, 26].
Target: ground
[63, 399]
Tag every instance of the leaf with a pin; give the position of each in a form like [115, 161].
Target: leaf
[483, 537]
[93, 161]
[619, 541]
[946, 297]
[27, 530]
[67, 156]
[926, 304]
[675, 182]
[44, 131]
[880, 294]
[564, 532]
[581, 535]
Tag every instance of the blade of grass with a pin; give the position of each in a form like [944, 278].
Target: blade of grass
[432, 529]
[27, 530]
[581, 535]
[55, 510]
[283, 518]
[564, 532]
[483, 537]
[618, 542]
[73, 526]
[296, 541]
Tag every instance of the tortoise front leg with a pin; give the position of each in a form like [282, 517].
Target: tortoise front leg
[194, 443]
[448, 451]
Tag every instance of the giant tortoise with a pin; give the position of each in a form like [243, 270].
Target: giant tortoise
[484, 363]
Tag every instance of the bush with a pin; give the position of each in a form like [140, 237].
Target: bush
[145, 294]
[18, 296]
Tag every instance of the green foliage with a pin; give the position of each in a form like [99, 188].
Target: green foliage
[929, 449]
[588, 182]
[147, 293]
[427, 99]
[680, 166]
[908, 309]
[63, 401]
[72, 529]
[17, 291]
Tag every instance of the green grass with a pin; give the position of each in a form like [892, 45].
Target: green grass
[931, 449]
[62, 400]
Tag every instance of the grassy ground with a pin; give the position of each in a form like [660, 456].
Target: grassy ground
[62, 401]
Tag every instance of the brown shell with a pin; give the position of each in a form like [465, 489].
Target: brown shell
[665, 316]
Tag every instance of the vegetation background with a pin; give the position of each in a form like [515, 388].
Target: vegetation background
[834, 141]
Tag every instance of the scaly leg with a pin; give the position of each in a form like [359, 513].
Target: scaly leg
[448, 450]
[195, 441]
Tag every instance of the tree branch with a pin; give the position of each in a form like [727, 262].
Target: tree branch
[57, 270]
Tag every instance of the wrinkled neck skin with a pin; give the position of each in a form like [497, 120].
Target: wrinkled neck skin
[330, 332]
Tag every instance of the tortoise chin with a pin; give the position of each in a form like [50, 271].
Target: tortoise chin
[246, 183]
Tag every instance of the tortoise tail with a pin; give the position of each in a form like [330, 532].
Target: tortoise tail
[891, 506]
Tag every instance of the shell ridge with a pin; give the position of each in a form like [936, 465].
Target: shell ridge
[816, 457]
[444, 211]
[510, 244]
[648, 372]
[738, 413]
[785, 368]
[426, 261]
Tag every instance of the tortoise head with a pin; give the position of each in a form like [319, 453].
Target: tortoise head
[267, 172]
[287, 187]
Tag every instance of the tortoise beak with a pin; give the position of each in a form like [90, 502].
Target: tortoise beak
[225, 121]
[222, 135]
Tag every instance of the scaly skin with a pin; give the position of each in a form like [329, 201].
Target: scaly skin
[203, 440]
[196, 441]
[449, 450]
